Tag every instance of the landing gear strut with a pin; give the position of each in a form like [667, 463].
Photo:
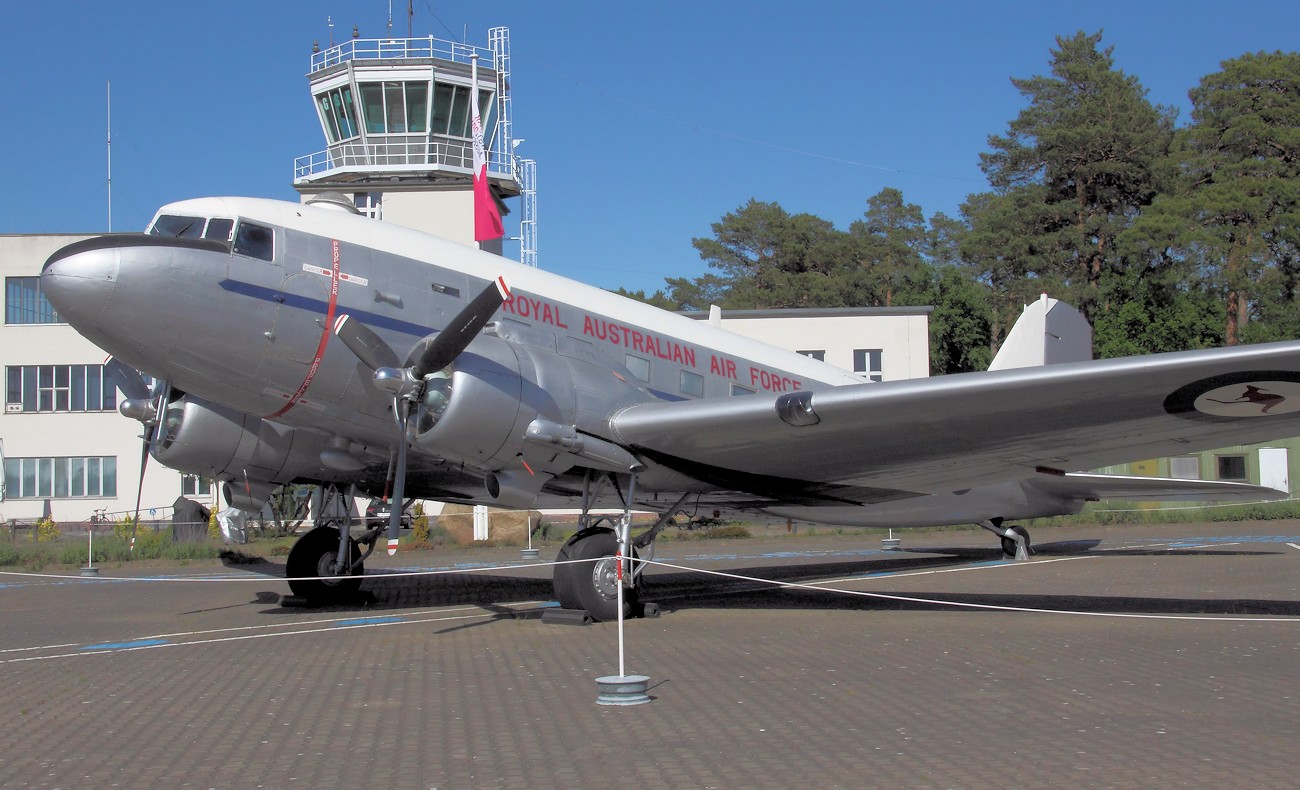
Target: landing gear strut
[325, 566]
[1015, 538]
[588, 574]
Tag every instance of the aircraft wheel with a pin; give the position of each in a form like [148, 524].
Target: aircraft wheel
[314, 555]
[1009, 545]
[591, 585]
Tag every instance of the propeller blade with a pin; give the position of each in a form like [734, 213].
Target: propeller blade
[399, 481]
[461, 330]
[128, 379]
[373, 352]
[139, 491]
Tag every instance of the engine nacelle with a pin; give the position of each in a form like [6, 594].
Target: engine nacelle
[514, 411]
[202, 438]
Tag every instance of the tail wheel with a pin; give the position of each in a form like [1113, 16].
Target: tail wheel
[316, 554]
[1009, 544]
[592, 585]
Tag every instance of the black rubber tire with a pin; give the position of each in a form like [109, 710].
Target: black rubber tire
[1009, 545]
[575, 583]
[311, 556]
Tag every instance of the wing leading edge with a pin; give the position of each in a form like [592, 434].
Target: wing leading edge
[940, 435]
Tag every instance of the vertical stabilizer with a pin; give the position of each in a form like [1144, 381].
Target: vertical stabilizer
[1048, 332]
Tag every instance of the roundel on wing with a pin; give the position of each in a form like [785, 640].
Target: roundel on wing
[1238, 395]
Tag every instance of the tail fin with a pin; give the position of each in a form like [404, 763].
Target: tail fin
[1048, 332]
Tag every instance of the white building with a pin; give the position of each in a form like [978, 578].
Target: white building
[61, 438]
[877, 343]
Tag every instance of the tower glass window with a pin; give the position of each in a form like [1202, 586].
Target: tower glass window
[338, 114]
[395, 107]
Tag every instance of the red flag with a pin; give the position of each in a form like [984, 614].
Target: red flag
[487, 220]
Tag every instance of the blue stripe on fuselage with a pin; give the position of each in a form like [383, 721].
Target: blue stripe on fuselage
[372, 320]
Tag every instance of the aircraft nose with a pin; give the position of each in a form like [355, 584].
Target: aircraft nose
[78, 278]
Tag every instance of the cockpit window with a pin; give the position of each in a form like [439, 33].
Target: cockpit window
[219, 229]
[255, 241]
[173, 225]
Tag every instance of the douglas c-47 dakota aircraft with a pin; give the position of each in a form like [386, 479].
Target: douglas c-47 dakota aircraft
[303, 343]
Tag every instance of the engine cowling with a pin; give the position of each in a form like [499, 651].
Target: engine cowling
[513, 412]
[198, 437]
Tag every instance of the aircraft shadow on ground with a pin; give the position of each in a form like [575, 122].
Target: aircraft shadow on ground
[675, 590]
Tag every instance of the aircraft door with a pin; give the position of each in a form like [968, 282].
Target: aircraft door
[302, 305]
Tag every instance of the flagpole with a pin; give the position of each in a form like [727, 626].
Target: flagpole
[473, 98]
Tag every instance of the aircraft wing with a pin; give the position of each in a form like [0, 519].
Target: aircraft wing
[882, 442]
[1082, 487]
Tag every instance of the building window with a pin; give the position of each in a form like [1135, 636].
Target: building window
[866, 363]
[638, 366]
[57, 388]
[370, 204]
[60, 478]
[692, 384]
[1231, 467]
[193, 485]
[819, 355]
[25, 303]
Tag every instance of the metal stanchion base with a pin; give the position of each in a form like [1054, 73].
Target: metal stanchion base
[530, 554]
[90, 571]
[623, 690]
[889, 544]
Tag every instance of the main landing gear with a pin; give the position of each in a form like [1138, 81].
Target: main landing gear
[588, 574]
[325, 566]
[1015, 538]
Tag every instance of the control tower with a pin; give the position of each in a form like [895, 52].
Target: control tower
[396, 118]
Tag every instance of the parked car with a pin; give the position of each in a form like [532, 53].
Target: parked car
[379, 511]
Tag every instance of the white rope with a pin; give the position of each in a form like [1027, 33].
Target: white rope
[813, 586]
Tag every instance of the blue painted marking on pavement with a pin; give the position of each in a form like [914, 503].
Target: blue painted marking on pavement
[369, 621]
[125, 645]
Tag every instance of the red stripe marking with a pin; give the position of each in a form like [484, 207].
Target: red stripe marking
[324, 336]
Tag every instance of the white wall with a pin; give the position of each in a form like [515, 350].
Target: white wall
[104, 433]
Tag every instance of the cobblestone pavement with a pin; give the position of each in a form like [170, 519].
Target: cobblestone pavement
[1175, 667]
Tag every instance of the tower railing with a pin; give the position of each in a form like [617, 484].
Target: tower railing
[396, 49]
[398, 154]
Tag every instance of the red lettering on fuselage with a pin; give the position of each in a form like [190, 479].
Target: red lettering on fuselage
[721, 366]
[635, 340]
[535, 309]
[773, 382]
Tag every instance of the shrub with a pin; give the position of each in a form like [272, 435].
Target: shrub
[47, 531]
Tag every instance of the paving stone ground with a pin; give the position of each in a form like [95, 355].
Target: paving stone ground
[1175, 668]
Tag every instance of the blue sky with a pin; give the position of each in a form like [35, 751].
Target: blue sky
[649, 121]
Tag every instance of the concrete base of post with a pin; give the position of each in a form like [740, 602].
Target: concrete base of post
[623, 690]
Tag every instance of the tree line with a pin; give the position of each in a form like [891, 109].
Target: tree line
[1165, 237]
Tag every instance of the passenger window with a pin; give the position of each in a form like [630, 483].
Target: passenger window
[692, 384]
[638, 366]
[255, 241]
[182, 227]
[219, 229]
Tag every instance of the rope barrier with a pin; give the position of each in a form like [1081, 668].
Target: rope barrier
[812, 586]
